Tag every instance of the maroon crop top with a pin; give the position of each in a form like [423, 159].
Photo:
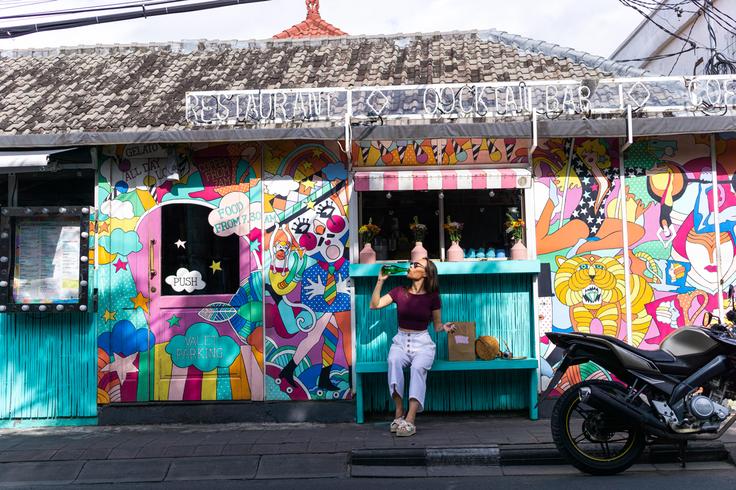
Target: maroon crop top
[414, 311]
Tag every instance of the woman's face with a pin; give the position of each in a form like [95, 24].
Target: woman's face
[417, 270]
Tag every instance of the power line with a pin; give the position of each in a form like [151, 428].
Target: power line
[98, 8]
[17, 31]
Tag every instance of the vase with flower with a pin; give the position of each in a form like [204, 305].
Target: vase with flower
[454, 230]
[367, 233]
[419, 231]
[515, 228]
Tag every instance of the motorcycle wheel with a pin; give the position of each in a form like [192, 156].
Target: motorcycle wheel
[591, 440]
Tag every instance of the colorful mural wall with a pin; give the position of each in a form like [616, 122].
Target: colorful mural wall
[461, 151]
[223, 269]
[306, 256]
[185, 235]
[671, 244]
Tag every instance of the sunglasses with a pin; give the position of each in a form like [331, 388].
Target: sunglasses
[416, 265]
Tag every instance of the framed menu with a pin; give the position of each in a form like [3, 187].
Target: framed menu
[46, 268]
[44, 259]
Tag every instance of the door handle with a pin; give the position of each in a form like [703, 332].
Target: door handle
[151, 264]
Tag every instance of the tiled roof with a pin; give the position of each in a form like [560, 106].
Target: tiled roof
[313, 26]
[130, 88]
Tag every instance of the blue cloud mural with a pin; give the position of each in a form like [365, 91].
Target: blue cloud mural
[125, 339]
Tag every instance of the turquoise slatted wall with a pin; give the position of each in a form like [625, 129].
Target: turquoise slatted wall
[48, 368]
[498, 304]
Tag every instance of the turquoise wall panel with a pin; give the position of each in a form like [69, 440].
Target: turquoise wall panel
[48, 366]
[499, 304]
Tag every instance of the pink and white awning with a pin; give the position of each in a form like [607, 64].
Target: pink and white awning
[445, 179]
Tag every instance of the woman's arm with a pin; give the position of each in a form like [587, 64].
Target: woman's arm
[378, 301]
[438, 325]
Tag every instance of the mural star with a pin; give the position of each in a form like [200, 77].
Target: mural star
[255, 245]
[103, 227]
[122, 366]
[317, 152]
[140, 301]
[109, 315]
[180, 243]
[310, 204]
[309, 184]
[173, 321]
[216, 266]
[120, 265]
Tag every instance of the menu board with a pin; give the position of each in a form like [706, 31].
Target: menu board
[46, 261]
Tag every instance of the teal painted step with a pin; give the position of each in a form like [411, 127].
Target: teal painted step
[48, 365]
[62, 422]
[456, 268]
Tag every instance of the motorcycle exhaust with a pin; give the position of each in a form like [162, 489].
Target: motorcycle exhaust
[598, 398]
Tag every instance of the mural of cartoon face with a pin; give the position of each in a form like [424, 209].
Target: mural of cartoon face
[322, 231]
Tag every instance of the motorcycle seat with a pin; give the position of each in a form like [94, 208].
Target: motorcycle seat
[656, 356]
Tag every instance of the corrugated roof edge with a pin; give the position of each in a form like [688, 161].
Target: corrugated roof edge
[188, 46]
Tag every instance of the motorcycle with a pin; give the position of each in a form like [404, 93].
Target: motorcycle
[684, 391]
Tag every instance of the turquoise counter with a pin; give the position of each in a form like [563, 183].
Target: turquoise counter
[496, 295]
[457, 268]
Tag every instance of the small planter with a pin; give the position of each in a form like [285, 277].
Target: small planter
[455, 253]
[518, 251]
[367, 254]
[418, 252]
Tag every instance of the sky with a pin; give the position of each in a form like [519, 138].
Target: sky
[595, 26]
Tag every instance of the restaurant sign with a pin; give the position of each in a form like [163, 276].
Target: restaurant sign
[590, 97]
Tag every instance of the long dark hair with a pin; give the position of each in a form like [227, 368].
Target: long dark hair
[431, 281]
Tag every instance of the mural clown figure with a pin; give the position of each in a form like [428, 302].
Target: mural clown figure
[322, 233]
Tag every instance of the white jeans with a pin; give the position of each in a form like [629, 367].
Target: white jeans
[414, 349]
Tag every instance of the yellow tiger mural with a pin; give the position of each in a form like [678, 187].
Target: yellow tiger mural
[593, 287]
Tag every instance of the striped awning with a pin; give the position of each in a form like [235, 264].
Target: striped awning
[445, 179]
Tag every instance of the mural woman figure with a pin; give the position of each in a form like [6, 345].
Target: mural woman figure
[416, 306]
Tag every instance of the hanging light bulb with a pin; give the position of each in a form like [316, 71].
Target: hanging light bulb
[388, 195]
[491, 193]
[442, 195]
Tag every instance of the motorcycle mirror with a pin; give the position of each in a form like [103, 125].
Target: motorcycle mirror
[707, 318]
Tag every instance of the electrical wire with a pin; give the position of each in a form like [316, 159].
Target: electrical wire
[23, 30]
[97, 8]
[717, 62]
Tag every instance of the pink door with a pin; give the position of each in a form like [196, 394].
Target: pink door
[199, 287]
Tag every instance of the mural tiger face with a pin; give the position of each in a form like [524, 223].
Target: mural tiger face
[595, 290]
[589, 281]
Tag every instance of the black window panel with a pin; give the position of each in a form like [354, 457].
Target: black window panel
[483, 216]
[63, 188]
[188, 223]
[4, 190]
[394, 216]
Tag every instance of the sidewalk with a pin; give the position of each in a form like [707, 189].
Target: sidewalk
[246, 451]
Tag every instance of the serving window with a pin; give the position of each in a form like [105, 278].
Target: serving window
[483, 213]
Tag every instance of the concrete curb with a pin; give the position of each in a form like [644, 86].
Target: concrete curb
[519, 455]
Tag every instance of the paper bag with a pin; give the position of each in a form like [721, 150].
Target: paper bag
[461, 344]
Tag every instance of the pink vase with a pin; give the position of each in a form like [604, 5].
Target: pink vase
[455, 253]
[518, 251]
[418, 252]
[367, 255]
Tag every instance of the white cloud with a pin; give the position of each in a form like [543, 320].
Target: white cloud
[186, 280]
[280, 186]
[597, 27]
[118, 209]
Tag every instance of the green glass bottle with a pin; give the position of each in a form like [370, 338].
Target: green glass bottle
[394, 269]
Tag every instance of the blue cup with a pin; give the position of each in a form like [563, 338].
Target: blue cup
[501, 254]
[480, 254]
